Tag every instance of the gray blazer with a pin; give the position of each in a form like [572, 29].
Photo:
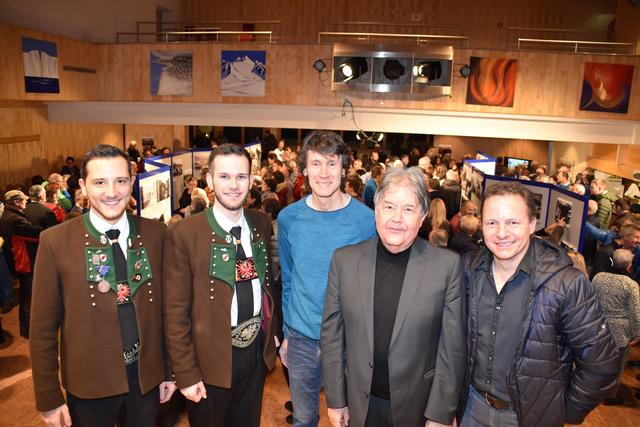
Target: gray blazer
[427, 356]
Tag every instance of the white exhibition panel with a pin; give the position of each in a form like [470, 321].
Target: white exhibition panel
[488, 125]
[155, 194]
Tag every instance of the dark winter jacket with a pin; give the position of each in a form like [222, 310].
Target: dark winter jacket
[566, 362]
[15, 224]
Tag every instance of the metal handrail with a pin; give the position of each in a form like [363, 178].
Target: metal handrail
[576, 43]
[166, 34]
[418, 37]
[394, 24]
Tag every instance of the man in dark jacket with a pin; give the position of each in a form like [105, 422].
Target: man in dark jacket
[540, 352]
[36, 211]
[18, 233]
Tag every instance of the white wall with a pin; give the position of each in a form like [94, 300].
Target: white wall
[88, 20]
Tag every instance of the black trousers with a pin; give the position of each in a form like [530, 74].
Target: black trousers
[241, 405]
[126, 410]
[24, 311]
[379, 413]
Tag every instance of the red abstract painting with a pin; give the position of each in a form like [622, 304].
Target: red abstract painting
[606, 87]
[492, 81]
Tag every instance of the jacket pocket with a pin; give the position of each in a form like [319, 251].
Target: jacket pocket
[430, 374]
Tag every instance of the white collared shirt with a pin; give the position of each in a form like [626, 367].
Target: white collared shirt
[102, 226]
[245, 239]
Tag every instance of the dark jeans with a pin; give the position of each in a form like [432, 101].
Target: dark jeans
[24, 313]
[305, 378]
[479, 413]
[6, 291]
[133, 409]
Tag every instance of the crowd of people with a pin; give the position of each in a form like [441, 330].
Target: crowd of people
[373, 276]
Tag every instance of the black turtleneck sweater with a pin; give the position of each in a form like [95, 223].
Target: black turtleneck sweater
[390, 270]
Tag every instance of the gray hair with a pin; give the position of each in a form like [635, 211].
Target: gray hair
[35, 191]
[413, 178]
[622, 258]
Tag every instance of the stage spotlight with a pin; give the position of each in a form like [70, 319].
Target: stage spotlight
[393, 69]
[465, 70]
[427, 70]
[319, 65]
[352, 68]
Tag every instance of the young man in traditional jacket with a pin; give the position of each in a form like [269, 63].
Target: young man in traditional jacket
[97, 286]
[218, 300]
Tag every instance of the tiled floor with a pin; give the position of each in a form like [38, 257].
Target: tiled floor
[17, 406]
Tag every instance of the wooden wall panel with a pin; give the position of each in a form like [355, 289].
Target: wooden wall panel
[521, 148]
[163, 135]
[547, 84]
[42, 146]
[74, 86]
[484, 21]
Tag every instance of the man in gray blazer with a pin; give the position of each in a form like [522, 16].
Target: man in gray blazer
[393, 339]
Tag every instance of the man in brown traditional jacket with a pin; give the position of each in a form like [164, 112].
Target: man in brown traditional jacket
[97, 286]
[218, 303]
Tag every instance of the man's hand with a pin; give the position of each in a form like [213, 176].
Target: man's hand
[195, 392]
[166, 390]
[339, 417]
[58, 417]
[283, 352]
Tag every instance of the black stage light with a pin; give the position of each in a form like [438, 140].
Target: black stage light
[465, 70]
[393, 69]
[427, 70]
[352, 68]
[319, 65]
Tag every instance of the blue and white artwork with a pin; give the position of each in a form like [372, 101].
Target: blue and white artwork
[243, 72]
[171, 72]
[40, 59]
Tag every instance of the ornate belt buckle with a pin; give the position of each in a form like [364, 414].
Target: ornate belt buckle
[244, 334]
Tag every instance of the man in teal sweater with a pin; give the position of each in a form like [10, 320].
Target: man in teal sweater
[309, 231]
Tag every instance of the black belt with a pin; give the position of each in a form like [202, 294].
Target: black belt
[494, 402]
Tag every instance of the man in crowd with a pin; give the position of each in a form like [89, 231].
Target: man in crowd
[308, 233]
[405, 363]
[628, 238]
[20, 239]
[562, 179]
[468, 208]
[36, 211]
[219, 308]
[605, 201]
[82, 203]
[64, 198]
[540, 351]
[620, 300]
[98, 308]
[377, 173]
[70, 167]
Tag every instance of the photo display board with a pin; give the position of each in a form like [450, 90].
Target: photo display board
[181, 170]
[154, 189]
[554, 203]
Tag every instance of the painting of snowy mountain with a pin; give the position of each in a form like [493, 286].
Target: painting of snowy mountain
[40, 59]
[243, 72]
[171, 72]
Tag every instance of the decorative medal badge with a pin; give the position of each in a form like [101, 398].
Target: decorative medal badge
[246, 270]
[103, 285]
[103, 239]
[123, 293]
[227, 239]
